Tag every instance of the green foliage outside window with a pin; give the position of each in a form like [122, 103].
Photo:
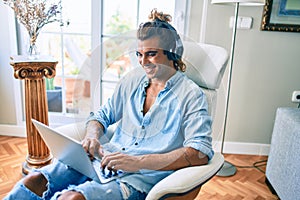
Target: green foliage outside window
[118, 24]
[116, 46]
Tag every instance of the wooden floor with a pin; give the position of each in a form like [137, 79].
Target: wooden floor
[247, 183]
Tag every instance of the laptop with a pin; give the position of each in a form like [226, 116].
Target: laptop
[71, 153]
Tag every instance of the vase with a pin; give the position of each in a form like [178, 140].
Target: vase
[33, 53]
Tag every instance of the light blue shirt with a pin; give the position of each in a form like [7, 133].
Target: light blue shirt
[178, 118]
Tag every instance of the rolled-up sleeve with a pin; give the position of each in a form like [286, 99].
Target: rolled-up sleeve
[197, 124]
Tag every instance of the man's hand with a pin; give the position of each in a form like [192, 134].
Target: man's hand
[93, 147]
[119, 161]
[91, 143]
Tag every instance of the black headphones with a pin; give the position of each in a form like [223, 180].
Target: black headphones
[174, 53]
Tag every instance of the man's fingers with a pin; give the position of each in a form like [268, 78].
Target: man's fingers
[108, 158]
[101, 152]
[90, 146]
[85, 144]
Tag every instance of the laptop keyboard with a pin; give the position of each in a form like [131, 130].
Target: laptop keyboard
[105, 175]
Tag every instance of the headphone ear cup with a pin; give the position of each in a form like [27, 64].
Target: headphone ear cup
[171, 55]
[177, 53]
[179, 48]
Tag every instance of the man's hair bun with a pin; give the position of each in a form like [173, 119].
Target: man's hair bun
[155, 15]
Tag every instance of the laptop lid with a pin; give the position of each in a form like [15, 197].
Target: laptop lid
[67, 150]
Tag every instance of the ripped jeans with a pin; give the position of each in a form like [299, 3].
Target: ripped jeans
[63, 178]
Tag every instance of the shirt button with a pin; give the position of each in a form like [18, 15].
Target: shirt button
[136, 143]
[123, 149]
[143, 127]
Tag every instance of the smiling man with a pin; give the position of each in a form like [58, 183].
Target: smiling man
[162, 125]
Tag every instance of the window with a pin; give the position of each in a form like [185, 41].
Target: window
[81, 59]
[120, 20]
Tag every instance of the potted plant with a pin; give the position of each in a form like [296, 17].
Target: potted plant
[54, 96]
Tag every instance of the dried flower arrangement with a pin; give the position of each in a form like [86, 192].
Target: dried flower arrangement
[35, 14]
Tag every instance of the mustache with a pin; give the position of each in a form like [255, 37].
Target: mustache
[148, 66]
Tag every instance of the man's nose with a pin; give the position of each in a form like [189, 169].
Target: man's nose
[144, 60]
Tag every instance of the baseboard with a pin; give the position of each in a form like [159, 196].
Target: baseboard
[243, 148]
[12, 130]
[55, 120]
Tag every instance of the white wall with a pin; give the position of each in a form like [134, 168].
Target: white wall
[265, 72]
[8, 84]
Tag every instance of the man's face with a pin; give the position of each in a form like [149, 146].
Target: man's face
[152, 58]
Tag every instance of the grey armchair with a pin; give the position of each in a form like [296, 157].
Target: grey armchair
[205, 66]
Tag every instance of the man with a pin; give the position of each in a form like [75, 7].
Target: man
[162, 126]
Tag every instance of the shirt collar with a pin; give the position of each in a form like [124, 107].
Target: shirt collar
[169, 84]
[173, 80]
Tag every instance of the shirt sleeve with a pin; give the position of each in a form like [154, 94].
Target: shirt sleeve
[197, 124]
[111, 111]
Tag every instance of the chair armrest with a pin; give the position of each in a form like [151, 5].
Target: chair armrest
[186, 179]
[77, 131]
[74, 130]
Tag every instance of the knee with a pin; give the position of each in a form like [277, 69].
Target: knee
[35, 179]
[71, 195]
[36, 182]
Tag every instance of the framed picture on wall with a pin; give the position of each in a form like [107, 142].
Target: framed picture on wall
[281, 15]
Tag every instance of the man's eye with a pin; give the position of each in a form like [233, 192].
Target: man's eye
[152, 53]
[138, 54]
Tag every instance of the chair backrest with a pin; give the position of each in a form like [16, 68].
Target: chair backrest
[205, 65]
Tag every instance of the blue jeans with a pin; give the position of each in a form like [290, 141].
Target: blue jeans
[63, 178]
